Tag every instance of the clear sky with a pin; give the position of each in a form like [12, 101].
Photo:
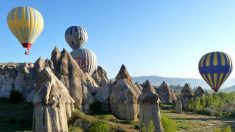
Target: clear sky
[152, 37]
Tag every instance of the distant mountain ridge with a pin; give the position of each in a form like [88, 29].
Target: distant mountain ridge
[229, 89]
[157, 80]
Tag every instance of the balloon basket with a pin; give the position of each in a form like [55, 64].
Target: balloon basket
[26, 52]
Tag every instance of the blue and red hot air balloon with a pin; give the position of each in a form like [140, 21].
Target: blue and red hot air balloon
[215, 68]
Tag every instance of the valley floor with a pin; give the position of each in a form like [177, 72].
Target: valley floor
[18, 117]
[198, 123]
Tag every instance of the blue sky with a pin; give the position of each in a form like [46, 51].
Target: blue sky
[154, 37]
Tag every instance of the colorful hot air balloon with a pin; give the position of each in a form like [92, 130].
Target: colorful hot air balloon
[26, 24]
[215, 68]
[86, 59]
[76, 37]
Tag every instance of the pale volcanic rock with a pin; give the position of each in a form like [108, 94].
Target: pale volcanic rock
[178, 106]
[52, 104]
[100, 76]
[69, 73]
[166, 94]
[124, 96]
[149, 108]
[199, 92]
[186, 94]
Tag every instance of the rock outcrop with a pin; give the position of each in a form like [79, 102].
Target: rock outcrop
[199, 92]
[16, 76]
[166, 94]
[149, 108]
[124, 96]
[186, 94]
[100, 76]
[82, 87]
[69, 73]
[8, 74]
[52, 104]
[178, 106]
[103, 96]
[23, 77]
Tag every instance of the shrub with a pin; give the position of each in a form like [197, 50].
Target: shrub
[15, 96]
[149, 128]
[213, 104]
[226, 129]
[75, 129]
[96, 108]
[135, 125]
[100, 126]
[168, 124]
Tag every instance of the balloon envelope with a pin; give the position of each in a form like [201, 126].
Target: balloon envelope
[215, 68]
[26, 24]
[76, 37]
[86, 59]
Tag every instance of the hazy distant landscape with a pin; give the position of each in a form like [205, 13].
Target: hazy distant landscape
[157, 80]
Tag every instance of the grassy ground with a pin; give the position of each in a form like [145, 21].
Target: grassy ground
[15, 117]
[116, 125]
[198, 123]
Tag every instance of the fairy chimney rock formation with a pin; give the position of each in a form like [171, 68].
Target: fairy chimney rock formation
[100, 76]
[186, 94]
[166, 94]
[199, 92]
[178, 106]
[124, 96]
[69, 73]
[149, 108]
[123, 73]
[52, 104]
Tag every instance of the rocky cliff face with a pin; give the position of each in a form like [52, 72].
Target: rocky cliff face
[15, 76]
[100, 76]
[82, 87]
[69, 73]
[186, 94]
[166, 94]
[52, 104]
[124, 95]
[149, 108]
[103, 96]
[24, 77]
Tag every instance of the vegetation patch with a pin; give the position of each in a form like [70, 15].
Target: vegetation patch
[218, 104]
[15, 96]
[169, 125]
[15, 116]
[100, 126]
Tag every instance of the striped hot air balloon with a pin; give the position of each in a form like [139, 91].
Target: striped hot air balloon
[76, 37]
[215, 68]
[86, 59]
[26, 23]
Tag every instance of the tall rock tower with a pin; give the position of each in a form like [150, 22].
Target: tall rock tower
[149, 108]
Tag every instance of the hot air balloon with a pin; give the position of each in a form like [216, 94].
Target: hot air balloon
[76, 37]
[215, 68]
[86, 59]
[26, 23]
